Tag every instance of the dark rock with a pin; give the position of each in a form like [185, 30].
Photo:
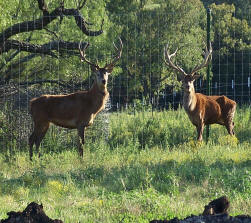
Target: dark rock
[33, 213]
[215, 212]
[217, 206]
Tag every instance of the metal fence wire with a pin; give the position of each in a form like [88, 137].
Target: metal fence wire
[141, 82]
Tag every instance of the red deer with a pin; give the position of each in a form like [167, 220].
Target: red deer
[202, 109]
[72, 111]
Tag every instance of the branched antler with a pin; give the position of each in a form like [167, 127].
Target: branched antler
[117, 57]
[83, 55]
[207, 58]
[168, 61]
[107, 66]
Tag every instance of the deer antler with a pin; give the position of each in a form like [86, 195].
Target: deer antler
[117, 57]
[167, 59]
[83, 55]
[207, 58]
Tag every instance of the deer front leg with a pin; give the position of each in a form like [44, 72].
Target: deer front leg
[200, 129]
[81, 134]
[233, 133]
[31, 143]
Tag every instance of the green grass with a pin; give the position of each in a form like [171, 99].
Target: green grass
[151, 167]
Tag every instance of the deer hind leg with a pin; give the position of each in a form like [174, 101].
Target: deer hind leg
[31, 143]
[229, 121]
[200, 129]
[230, 127]
[37, 136]
[81, 134]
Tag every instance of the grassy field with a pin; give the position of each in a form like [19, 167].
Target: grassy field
[149, 167]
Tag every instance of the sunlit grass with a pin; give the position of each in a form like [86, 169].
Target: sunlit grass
[151, 167]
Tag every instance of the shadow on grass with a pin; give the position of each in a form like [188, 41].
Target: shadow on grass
[168, 177]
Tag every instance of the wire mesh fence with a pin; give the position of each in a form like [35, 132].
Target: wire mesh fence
[141, 87]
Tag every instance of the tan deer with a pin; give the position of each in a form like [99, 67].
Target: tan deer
[72, 111]
[202, 109]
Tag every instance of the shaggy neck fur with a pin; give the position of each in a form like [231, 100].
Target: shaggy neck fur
[189, 100]
[99, 88]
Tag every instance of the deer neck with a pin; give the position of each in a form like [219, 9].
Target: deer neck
[99, 97]
[100, 90]
[189, 100]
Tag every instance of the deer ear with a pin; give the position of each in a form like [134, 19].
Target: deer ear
[109, 69]
[196, 76]
[94, 68]
[180, 77]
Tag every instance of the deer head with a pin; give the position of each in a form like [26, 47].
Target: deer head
[187, 79]
[102, 73]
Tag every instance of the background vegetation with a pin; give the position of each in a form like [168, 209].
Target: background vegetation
[145, 26]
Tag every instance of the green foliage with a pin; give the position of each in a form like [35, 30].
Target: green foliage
[145, 27]
[145, 30]
[46, 67]
[242, 7]
[230, 31]
[231, 44]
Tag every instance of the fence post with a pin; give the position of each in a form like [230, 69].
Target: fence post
[208, 66]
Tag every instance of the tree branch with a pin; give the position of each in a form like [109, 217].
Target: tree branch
[52, 32]
[60, 83]
[81, 5]
[81, 23]
[59, 46]
[42, 6]
[12, 88]
[47, 18]
[77, 86]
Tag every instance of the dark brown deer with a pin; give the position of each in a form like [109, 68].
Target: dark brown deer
[72, 111]
[202, 109]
